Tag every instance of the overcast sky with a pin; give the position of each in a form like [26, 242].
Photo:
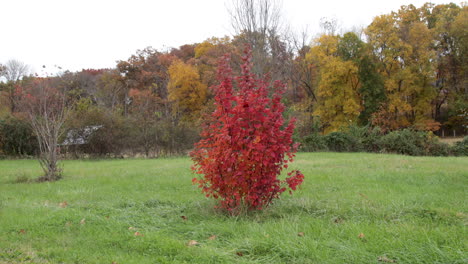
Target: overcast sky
[77, 34]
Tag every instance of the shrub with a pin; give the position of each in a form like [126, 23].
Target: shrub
[17, 137]
[436, 148]
[370, 141]
[461, 148]
[313, 142]
[343, 142]
[404, 141]
[246, 145]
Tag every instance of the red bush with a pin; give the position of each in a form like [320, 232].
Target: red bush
[246, 144]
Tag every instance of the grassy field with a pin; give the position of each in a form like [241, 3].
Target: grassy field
[352, 208]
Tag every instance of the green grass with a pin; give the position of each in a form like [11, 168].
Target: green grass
[410, 209]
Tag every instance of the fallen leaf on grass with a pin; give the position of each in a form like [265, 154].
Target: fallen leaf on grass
[107, 217]
[192, 243]
[131, 228]
[364, 196]
[385, 259]
[83, 221]
[213, 237]
[239, 254]
[22, 231]
[184, 217]
[63, 204]
[138, 234]
[301, 234]
[338, 220]
[361, 235]
[113, 262]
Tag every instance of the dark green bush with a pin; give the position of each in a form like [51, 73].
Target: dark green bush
[313, 142]
[406, 141]
[461, 148]
[343, 142]
[16, 137]
[371, 139]
[436, 148]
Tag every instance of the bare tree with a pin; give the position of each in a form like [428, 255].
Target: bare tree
[258, 23]
[329, 26]
[15, 70]
[47, 110]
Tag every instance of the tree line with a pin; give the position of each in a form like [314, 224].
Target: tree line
[407, 69]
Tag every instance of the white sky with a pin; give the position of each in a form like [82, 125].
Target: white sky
[77, 34]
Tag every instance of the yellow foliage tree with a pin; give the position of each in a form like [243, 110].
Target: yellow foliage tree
[402, 43]
[338, 102]
[186, 91]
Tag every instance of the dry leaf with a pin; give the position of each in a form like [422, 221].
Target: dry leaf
[385, 259]
[114, 262]
[213, 237]
[338, 220]
[184, 217]
[192, 243]
[138, 234]
[131, 228]
[107, 217]
[239, 254]
[63, 204]
[361, 235]
[83, 221]
[22, 231]
[301, 234]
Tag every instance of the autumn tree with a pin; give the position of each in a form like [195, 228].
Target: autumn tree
[338, 101]
[207, 55]
[246, 144]
[145, 110]
[185, 89]
[371, 90]
[47, 109]
[447, 23]
[111, 92]
[401, 42]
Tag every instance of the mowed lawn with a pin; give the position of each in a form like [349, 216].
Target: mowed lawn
[352, 208]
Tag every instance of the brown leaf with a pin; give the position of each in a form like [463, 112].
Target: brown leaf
[361, 235]
[301, 234]
[338, 220]
[107, 217]
[184, 217]
[22, 231]
[239, 254]
[138, 234]
[83, 221]
[114, 262]
[192, 243]
[213, 237]
[63, 204]
[385, 259]
[364, 196]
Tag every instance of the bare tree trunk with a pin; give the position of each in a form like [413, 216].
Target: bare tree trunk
[47, 111]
